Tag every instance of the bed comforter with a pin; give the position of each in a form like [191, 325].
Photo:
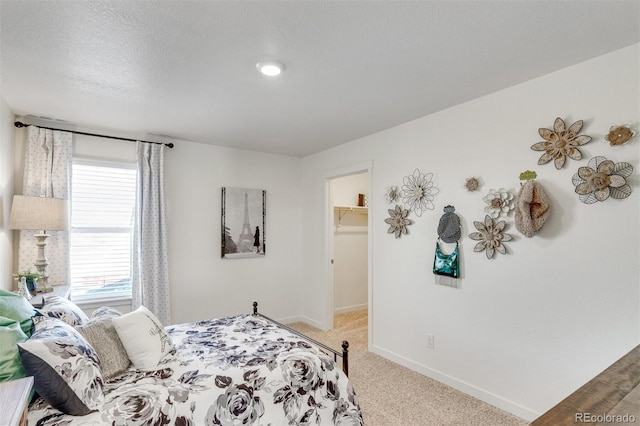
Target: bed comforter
[240, 370]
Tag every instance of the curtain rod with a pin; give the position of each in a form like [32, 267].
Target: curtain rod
[20, 125]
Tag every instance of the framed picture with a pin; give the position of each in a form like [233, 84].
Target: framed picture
[243, 218]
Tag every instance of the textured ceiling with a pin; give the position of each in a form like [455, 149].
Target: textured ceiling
[186, 70]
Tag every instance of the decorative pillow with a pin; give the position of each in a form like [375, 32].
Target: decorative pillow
[64, 309]
[10, 335]
[65, 368]
[103, 338]
[16, 307]
[105, 312]
[144, 338]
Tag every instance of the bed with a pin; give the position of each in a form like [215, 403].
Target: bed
[240, 370]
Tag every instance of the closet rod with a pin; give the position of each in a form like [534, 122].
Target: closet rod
[20, 125]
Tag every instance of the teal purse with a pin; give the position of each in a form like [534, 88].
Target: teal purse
[446, 264]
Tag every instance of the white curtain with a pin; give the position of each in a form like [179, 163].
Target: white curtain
[47, 168]
[150, 262]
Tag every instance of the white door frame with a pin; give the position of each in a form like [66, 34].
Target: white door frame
[327, 252]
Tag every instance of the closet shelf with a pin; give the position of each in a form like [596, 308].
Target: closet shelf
[354, 209]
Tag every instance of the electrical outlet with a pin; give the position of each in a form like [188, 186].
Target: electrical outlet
[430, 341]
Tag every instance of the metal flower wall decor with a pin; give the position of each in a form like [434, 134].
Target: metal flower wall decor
[561, 143]
[418, 192]
[499, 203]
[393, 194]
[398, 221]
[490, 236]
[602, 179]
[472, 184]
[619, 135]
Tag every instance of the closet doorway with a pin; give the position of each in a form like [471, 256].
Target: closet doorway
[350, 241]
[348, 238]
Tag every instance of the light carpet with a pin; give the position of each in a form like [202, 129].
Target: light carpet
[392, 395]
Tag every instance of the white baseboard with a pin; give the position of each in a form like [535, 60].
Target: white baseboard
[291, 320]
[350, 309]
[483, 395]
[303, 319]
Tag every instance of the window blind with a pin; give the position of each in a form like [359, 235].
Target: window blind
[102, 219]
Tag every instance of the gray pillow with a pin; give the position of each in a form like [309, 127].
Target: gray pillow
[102, 336]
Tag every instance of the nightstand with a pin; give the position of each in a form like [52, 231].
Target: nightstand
[58, 290]
[14, 401]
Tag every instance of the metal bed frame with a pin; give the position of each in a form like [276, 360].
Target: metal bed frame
[345, 345]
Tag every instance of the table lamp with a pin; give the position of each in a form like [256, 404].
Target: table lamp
[41, 214]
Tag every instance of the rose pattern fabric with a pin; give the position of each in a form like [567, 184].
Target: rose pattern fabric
[63, 309]
[65, 367]
[240, 370]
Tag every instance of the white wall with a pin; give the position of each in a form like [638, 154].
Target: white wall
[202, 284]
[6, 194]
[350, 244]
[529, 327]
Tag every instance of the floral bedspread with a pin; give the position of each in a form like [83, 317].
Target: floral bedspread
[240, 370]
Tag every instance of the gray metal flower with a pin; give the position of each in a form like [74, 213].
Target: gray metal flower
[398, 221]
[602, 178]
[491, 237]
[393, 194]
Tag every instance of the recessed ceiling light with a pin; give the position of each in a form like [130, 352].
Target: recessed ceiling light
[270, 68]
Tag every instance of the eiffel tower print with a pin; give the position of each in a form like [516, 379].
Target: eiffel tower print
[243, 219]
[245, 241]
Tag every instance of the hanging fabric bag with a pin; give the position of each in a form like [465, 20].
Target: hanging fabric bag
[446, 264]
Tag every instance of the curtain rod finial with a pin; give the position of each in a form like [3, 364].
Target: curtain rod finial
[19, 124]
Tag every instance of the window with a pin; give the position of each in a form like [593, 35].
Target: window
[102, 219]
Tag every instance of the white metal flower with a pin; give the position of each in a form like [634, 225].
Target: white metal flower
[418, 192]
[499, 203]
[393, 194]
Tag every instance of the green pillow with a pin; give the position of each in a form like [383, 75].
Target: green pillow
[10, 335]
[16, 307]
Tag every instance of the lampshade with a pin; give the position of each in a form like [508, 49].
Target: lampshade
[39, 213]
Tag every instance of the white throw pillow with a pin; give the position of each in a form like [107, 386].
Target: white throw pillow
[143, 337]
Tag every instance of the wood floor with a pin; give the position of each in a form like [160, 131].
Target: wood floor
[611, 398]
